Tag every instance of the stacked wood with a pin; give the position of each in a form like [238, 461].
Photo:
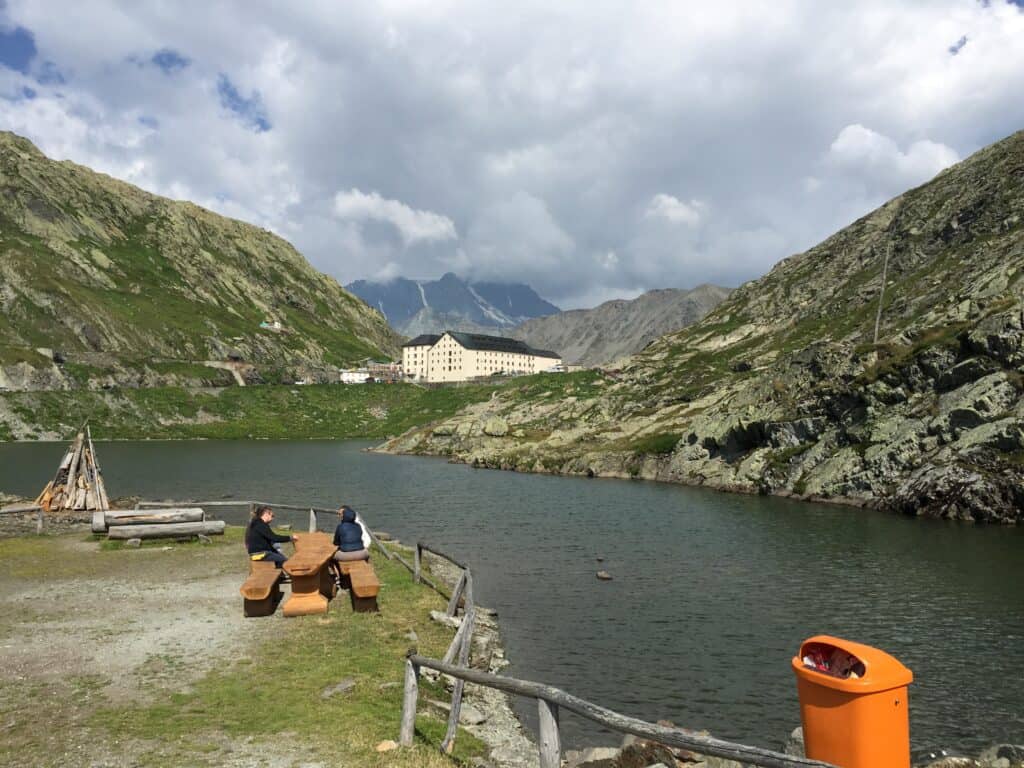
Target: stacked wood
[102, 520]
[167, 530]
[78, 485]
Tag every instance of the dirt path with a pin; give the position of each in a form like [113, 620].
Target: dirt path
[85, 628]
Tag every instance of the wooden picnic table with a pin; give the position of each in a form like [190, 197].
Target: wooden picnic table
[312, 583]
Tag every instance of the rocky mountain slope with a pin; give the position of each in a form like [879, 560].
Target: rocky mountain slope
[102, 283]
[619, 328]
[451, 303]
[783, 388]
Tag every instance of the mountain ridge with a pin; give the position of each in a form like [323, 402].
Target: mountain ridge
[103, 284]
[620, 327]
[783, 389]
[414, 306]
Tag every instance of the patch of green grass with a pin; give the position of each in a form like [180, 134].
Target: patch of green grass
[276, 412]
[660, 444]
[278, 688]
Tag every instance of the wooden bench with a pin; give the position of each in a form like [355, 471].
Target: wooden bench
[261, 592]
[364, 586]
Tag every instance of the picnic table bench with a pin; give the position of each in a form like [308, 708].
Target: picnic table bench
[261, 592]
[362, 583]
[312, 584]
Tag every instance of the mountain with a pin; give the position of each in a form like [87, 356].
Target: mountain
[619, 328]
[784, 389]
[104, 284]
[430, 306]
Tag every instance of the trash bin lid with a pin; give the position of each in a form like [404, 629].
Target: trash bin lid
[881, 671]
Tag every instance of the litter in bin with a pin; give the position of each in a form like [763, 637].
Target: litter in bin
[833, 661]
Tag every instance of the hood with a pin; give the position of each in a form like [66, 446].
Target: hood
[348, 515]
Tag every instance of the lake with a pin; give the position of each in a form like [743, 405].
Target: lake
[712, 592]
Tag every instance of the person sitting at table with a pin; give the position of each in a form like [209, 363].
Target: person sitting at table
[260, 540]
[348, 537]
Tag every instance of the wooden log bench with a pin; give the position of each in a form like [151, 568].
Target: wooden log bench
[362, 583]
[261, 592]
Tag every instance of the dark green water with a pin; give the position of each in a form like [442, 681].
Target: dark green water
[712, 593]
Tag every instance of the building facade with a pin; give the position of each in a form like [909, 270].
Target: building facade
[456, 356]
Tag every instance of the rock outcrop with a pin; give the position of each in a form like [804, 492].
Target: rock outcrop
[104, 284]
[784, 388]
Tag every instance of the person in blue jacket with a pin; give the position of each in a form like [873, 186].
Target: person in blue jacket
[348, 537]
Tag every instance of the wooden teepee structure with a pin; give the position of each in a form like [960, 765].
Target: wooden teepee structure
[78, 484]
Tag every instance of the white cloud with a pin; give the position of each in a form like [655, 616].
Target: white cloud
[413, 225]
[544, 131]
[673, 209]
[876, 157]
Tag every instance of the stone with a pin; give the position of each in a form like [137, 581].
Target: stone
[204, 539]
[344, 686]
[496, 427]
[411, 636]
[594, 757]
[953, 762]
[387, 746]
[1013, 754]
[134, 543]
[445, 620]
[795, 743]
[604, 576]
[643, 754]
[470, 715]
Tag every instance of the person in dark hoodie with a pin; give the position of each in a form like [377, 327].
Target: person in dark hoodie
[348, 537]
[261, 541]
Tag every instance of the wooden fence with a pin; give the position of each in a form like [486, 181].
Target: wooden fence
[550, 700]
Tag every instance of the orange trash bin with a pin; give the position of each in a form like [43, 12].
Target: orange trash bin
[853, 704]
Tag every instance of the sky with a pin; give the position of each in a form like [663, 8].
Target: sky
[593, 150]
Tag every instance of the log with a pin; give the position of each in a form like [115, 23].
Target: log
[101, 489]
[114, 514]
[409, 696]
[671, 737]
[167, 530]
[181, 516]
[550, 741]
[453, 604]
[70, 485]
[453, 716]
[15, 509]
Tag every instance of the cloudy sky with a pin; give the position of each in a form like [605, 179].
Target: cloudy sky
[592, 149]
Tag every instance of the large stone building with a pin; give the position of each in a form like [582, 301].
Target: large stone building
[454, 356]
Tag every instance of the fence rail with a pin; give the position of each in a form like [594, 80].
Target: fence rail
[550, 700]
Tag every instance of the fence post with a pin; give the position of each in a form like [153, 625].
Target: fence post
[416, 563]
[453, 604]
[453, 716]
[550, 744]
[39, 521]
[312, 521]
[412, 674]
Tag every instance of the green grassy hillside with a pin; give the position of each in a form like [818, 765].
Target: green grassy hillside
[134, 289]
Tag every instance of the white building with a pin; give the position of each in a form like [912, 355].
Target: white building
[360, 376]
[455, 356]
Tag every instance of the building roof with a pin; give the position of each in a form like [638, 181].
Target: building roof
[479, 341]
[423, 340]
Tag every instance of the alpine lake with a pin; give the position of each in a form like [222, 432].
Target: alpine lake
[711, 596]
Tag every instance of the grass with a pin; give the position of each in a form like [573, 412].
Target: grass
[266, 693]
[660, 444]
[315, 411]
